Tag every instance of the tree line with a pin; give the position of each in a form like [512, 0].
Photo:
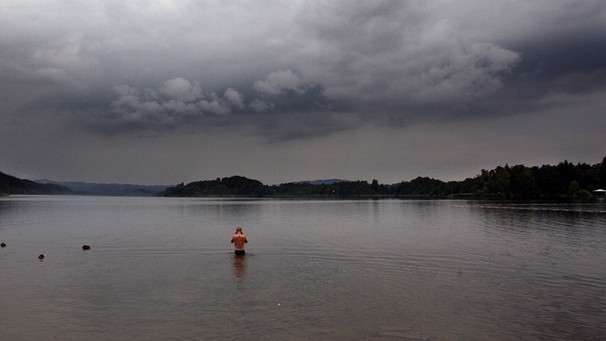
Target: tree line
[564, 181]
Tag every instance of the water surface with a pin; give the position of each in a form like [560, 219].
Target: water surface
[163, 268]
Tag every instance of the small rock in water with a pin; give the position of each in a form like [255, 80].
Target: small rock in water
[3, 244]
[85, 247]
[41, 257]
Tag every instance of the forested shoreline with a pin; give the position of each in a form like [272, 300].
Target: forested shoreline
[564, 181]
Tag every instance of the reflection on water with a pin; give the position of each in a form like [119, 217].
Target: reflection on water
[390, 270]
[240, 266]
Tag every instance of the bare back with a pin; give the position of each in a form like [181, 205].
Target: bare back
[239, 239]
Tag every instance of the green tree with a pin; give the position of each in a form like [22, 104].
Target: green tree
[501, 181]
[523, 184]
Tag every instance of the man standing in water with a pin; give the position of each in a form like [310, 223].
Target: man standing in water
[239, 239]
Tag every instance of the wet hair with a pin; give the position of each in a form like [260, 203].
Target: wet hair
[239, 229]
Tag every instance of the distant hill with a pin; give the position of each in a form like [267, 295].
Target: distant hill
[230, 186]
[244, 187]
[13, 185]
[321, 182]
[111, 189]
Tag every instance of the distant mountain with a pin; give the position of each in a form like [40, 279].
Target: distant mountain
[12, 185]
[111, 189]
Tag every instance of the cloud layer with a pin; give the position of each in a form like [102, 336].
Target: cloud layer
[299, 70]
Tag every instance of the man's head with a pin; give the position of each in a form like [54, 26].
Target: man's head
[239, 230]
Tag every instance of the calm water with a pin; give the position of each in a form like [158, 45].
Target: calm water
[163, 269]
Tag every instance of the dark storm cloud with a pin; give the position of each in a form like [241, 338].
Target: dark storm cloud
[387, 61]
[567, 64]
[377, 61]
[297, 72]
[180, 101]
[562, 51]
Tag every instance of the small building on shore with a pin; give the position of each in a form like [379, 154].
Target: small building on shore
[599, 193]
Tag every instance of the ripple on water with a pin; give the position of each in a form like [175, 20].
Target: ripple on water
[393, 270]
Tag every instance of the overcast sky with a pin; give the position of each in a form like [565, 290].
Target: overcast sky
[170, 91]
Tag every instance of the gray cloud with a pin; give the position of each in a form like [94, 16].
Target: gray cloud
[281, 82]
[288, 72]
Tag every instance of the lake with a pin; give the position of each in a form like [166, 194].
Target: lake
[163, 269]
